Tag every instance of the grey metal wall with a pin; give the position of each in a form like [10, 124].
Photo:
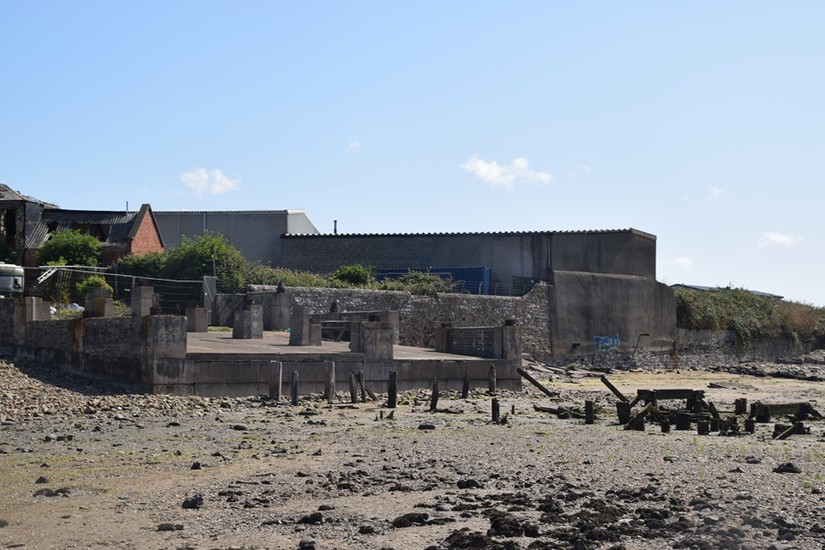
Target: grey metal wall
[256, 234]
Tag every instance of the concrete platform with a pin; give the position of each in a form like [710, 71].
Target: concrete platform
[277, 343]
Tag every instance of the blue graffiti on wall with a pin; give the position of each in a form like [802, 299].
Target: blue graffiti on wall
[607, 343]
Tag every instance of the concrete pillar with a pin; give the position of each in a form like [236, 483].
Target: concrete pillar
[374, 340]
[197, 319]
[142, 300]
[98, 303]
[511, 345]
[278, 311]
[298, 326]
[35, 309]
[249, 322]
[442, 337]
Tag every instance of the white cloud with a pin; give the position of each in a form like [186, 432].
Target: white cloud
[505, 176]
[684, 263]
[774, 238]
[714, 193]
[355, 145]
[209, 182]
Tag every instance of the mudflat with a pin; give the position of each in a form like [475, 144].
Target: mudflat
[84, 465]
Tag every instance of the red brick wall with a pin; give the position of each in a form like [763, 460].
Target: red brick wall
[147, 238]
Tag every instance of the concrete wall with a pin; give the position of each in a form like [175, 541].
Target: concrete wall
[123, 350]
[598, 313]
[629, 252]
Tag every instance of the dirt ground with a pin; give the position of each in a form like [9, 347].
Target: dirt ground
[82, 466]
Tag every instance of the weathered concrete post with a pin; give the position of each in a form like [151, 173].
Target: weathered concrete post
[373, 339]
[465, 385]
[492, 379]
[278, 318]
[143, 298]
[589, 411]
[740, 406]
[248, 323]
[98, 303]
[197, 319]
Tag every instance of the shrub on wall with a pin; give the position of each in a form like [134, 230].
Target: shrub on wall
[91, 283]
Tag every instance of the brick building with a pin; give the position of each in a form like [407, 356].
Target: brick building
[26, 223]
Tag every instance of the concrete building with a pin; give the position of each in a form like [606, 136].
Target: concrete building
[603, 293]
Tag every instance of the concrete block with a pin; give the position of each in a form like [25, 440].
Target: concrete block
[142, 300]
[249, 323]
[197, 319]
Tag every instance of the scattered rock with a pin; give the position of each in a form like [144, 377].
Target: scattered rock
[62, 492]
[410, 519]
[196, 466]
[240, 427]
[426, 426]
[42, 479]
[170, 527]
[314, 518]
[193, 503]
[787, 468]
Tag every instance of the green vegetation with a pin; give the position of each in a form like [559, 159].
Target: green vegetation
[750, 316]
[70, 247]
[91, 283]
[212, 254]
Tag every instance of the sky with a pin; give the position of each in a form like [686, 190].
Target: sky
[702, 123]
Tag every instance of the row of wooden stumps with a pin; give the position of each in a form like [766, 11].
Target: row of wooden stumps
[705, 414]
[360, 390]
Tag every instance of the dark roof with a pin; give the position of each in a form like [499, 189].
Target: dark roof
[8, 195]
[477, 233]
[120, 224]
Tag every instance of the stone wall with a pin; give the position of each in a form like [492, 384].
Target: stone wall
[421, 316]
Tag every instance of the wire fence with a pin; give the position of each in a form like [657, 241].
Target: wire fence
[59, 285]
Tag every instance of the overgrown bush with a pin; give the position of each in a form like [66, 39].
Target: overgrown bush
[355, 275]
[422, 284]
[750, 316]
[90, 283]
[70, 247]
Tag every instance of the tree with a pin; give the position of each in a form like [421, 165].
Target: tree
[71, 247]
[208, 254]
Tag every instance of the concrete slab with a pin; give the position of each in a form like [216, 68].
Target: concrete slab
[274, 342]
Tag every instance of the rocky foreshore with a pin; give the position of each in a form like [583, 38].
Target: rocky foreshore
[84, 464]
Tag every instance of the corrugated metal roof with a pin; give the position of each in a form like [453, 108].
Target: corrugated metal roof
[476, 233]
[156, 212]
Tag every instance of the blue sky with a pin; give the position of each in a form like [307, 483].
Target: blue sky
[700, 122]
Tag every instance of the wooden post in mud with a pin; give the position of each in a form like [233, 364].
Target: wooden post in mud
[353, 389]
[492, 382]
[392, 390]
[329, 383]
[361, 382]
[295, 388]
[465, 386]
[589, 411]
[623, 411]
[434, 396]
[495, 411]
